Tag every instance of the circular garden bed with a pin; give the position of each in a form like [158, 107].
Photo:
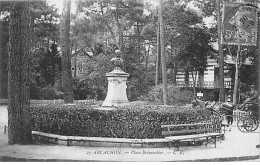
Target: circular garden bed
[134, 122]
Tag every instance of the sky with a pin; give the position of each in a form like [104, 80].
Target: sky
[59, 5]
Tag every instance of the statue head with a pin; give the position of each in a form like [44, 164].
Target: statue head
[117, 60]
[118, 53]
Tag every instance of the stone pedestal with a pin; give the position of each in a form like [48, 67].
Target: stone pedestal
[116, 93]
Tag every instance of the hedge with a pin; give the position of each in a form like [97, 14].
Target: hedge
[124, 122]
[175, 96]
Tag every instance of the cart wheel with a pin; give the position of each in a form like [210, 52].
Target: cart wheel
[249, 122]
[255, 124]
[245, 124]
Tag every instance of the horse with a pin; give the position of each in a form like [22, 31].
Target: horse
[222, 108]
[217, 108]
[199, 102]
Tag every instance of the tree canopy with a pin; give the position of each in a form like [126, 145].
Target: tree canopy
[99, 27]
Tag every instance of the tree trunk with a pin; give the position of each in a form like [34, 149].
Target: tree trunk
[140, 79]
[147, 52]
[65, 53]
[171, 75]
[75, 59]
[158, 59]
[19, 129]
[49, 35]
[236, 76]
[121, 39]
[164, 74]
[173, 68]
[194, 78]
[121, 48]
[258, 59]
[221, 56]
[175, 72]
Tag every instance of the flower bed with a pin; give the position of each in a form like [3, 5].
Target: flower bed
[125, 122]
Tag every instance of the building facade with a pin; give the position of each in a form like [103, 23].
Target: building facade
[207, 80]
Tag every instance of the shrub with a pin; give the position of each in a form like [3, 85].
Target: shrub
[35, 92]
[50, 93]
[127, 122]
[210, 95]
[174, 95]
[84, 90]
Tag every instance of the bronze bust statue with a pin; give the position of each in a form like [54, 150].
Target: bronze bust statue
[117, 60]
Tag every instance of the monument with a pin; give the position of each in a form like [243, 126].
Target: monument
[116, 93]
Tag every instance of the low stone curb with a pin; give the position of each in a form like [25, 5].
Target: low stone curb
[14, 159]
[97, 141]
[226, 159]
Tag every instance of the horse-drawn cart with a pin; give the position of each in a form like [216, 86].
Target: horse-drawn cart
[222, 109]
[249, 122]
[246, 123]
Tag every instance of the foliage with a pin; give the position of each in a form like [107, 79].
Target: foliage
[174, 95]
[103, 23]
[210, 95]
[50, 66]
[188, 37]
[4, 37]
[50, 93]
[35, 91]
[249, 73]
[99, 26]
[45, 73]
[5, 8]
[124, 122]
[44, 27]
[114, 16]
[139, 81]
[45, 24]
[92, 82]
[83, 90]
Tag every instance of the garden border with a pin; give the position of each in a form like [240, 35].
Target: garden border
[97, 141]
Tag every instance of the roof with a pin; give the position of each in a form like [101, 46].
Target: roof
[230, 60]
[83, 52]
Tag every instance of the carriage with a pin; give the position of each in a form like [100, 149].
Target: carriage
[246, 123]
[250, 121]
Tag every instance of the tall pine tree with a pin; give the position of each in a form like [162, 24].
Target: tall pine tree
[19, 131]
[65, 53]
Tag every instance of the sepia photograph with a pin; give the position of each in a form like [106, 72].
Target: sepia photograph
[129, 81]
